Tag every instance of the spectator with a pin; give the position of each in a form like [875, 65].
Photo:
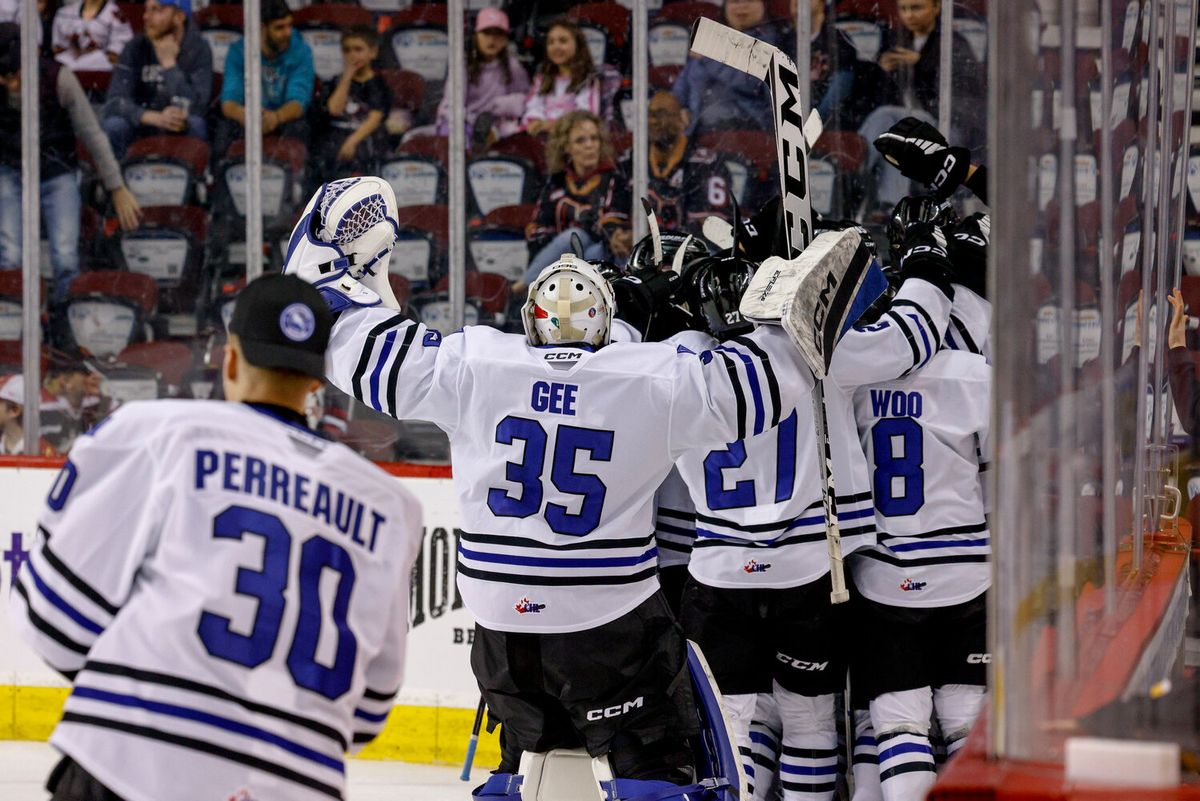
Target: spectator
[718, 97]
[912, 62]
[357, 103]
[842, 87]
[566, 81]
[89, 35]
[12, 407]
[586, 195]
[1184, 387]
[77, 402]
[163, 80]
[496, 82]
[10, 11]
[65, 114]
[287, 80]
[687, 183]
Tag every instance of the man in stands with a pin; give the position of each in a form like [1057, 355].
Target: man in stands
[287, 80]
[163, 81]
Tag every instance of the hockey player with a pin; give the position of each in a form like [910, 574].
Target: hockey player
[921, 613]
[191, 558]
[758, 602]
[574, 645]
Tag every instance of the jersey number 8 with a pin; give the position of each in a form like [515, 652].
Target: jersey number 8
[905, 463]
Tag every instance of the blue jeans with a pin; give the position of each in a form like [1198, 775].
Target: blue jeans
[61, 206]
[593, 250]
[121, 132]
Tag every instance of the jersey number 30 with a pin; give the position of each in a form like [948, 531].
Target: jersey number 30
[269, 585]
[568, 442]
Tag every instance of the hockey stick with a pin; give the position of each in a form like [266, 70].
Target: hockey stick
[473, 742]
[772, 66]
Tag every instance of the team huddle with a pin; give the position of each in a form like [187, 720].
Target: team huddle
[641, 469]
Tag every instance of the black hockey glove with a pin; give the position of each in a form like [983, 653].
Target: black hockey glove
[967, 245]
[921, 153]
[923, 255]
[640, 295]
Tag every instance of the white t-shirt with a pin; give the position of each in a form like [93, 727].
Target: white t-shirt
[87, 44]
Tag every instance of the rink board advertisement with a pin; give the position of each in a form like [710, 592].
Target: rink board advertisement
[435, 708]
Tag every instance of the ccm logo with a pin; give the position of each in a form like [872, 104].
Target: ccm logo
[562, 356]
[617, 710]
[944, 172]
[800, 664]
[979, 659]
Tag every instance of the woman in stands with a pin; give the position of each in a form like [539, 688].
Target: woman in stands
[586, 195]
[496, 83]
[90, 35]
[566, 81]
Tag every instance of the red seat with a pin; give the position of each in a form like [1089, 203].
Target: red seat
[285, 151]
[401, 288]
[132, 13]
[407, 87]
[756, 147]
[94, 82]
[182, 152]
[845, 149]
[433, 218]
[1189, 286]
[140, 289]
[12, 285]
[434, 147]
[431, 14]
[12, 356]
[220, 16]
[663, 76]
[333, 15]
[186, 149]
[622, 142]
[613, 18]
[688, 11]
[524, 146]
[171, 360]
[881, 10]
[516, 217]
[780, 10]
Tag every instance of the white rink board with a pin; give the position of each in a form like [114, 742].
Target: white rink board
[438, 671]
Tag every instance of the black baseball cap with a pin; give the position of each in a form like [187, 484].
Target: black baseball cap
[283, 323]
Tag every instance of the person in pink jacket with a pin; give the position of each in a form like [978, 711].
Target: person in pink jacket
[496, 81]
[566, 80]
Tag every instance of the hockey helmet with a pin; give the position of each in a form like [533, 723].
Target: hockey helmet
[570, 302]
[712, 291]
[642, 257]
[909, 211]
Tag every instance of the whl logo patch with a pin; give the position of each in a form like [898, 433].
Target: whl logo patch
[526, 606]
[908, 585]
[754, 566]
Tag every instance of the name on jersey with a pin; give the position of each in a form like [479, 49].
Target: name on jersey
[554, 397]
[896, 403]
[236, 472]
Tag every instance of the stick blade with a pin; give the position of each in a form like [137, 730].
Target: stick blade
[732, 48]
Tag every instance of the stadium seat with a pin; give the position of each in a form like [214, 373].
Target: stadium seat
[497, 180]
[662, 76]
[882, 11]
[171, 362]
[603, 24]
[132, 13]
[751, 158]
[433, 147]
[221, 26]
[107, 309]
[407, 88]
[510, 216]
[401, 288]
[524, 146]
[283, 174]
[321, 27]
[420, 250]
[169, 247]
[865, 35]
[95, 84]
[12, 303]
[489, 289]
[974, 30]
[668, 43]
[687, 12]
[417, 179]
[419, 41]
[167, 170]
[433, 309]
[500, 250]
[1189, 287]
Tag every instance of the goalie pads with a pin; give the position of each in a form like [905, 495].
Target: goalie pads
[817, 296]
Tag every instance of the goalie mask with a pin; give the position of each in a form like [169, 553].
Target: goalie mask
[712, 290]
[569, 303]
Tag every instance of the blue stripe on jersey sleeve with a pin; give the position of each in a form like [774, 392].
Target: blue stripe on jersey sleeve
[537, 561]
[925, 545]
[377, 373]
[198, 716]
[373, 718]
[755, 388]
[64, 607]
[924, 338]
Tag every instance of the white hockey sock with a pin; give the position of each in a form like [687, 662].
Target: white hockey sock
[866, 759]
[956, 707]
[764, 745]
[739, 711]
[901, 721]
[809, 764]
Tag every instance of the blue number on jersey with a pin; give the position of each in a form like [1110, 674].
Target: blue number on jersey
[569, 440]
[268, 586]
[908, 466]
[743, 494]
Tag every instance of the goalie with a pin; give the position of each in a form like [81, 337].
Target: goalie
[575, 646]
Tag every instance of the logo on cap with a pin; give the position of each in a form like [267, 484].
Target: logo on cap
[297, 322]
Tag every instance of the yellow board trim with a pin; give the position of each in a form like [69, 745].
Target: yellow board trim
[428, 734]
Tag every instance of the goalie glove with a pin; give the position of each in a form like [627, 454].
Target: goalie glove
[924, 255]
[921, 153]
[967, 246]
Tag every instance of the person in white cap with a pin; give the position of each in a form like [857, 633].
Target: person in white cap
[12, 409]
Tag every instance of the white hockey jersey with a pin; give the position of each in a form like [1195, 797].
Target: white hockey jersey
[229, 593]
[922, 435]
[760, 521]
[557, 452]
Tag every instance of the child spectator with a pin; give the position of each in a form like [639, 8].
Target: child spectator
[77, 401]
[566, 81]
[357, 102]
[89, 35]
[12, 407]
[586, 195]
[287, 80]
[496, 82]
[163, 80]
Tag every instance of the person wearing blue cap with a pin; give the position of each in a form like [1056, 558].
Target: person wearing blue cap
[162, 82]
